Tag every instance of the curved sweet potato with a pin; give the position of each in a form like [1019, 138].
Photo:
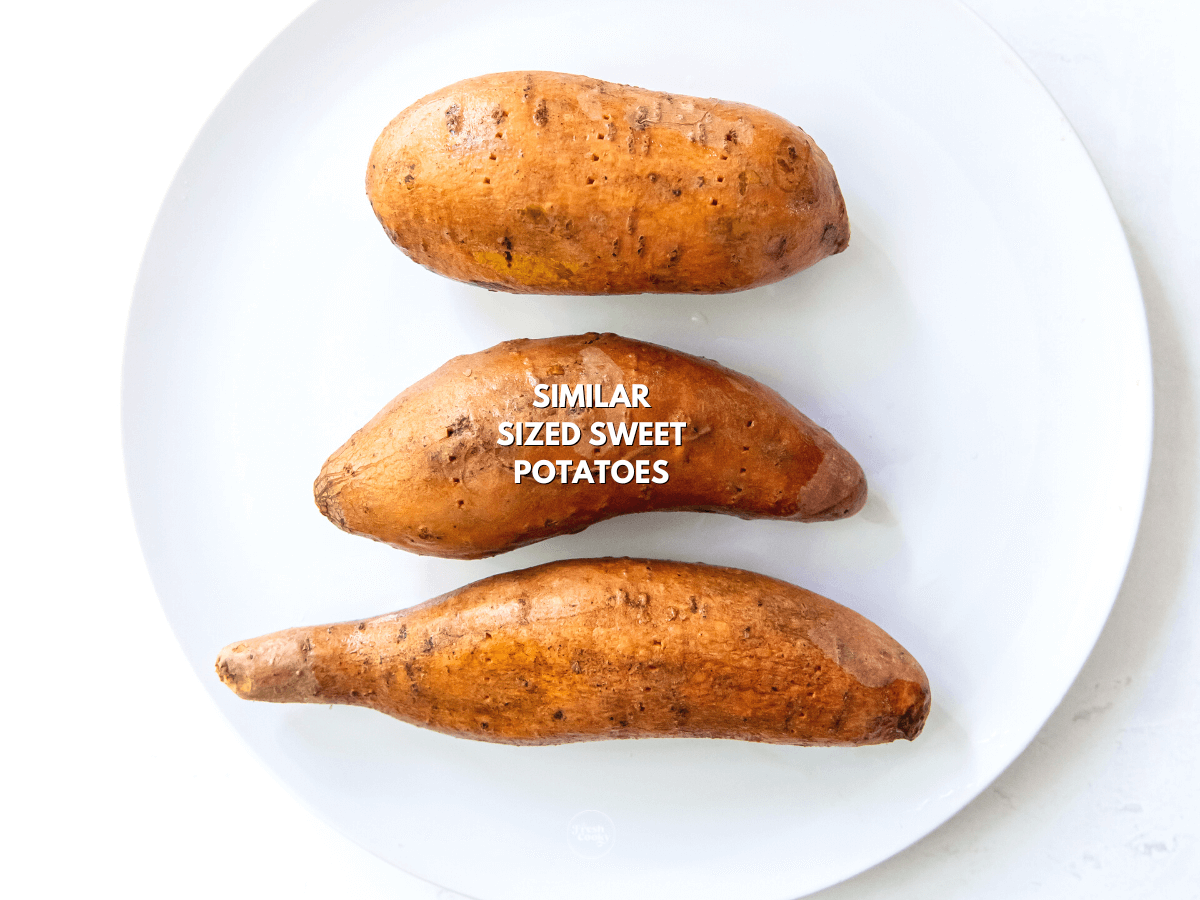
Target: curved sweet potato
[427, 473]
[606, 648]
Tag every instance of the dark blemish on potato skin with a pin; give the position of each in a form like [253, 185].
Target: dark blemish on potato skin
[462, 423]
[541, 114]
[831, 235]
[453, 118]
[536, 214]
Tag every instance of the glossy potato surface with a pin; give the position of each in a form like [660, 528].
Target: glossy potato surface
[540, 182]
[428, 475]
[606, 648]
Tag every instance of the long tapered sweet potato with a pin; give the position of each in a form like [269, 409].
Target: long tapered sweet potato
[606, 648]
[429, 473]
[539, 182]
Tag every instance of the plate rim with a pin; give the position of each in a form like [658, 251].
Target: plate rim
[1130, 525]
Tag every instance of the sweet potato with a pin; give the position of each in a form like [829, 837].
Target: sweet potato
[594, 649]
[544, 183]
[427, 474]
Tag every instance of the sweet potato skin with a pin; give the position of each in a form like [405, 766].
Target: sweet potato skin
[606, 648]
[426, 473]
[546, 183]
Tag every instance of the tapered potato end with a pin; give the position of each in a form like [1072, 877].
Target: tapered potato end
[837, 490]
[911, 701]
[274, 667]
[326, 495]
[850, 495]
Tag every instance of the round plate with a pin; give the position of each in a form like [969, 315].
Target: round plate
[981, 348]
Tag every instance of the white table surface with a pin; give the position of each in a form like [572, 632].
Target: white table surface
[122, 778]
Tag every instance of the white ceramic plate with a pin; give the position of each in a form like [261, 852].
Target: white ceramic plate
[980, 348]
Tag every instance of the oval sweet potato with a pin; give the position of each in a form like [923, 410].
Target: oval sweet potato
[606, 648]
[427, 473]
[539, 182]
